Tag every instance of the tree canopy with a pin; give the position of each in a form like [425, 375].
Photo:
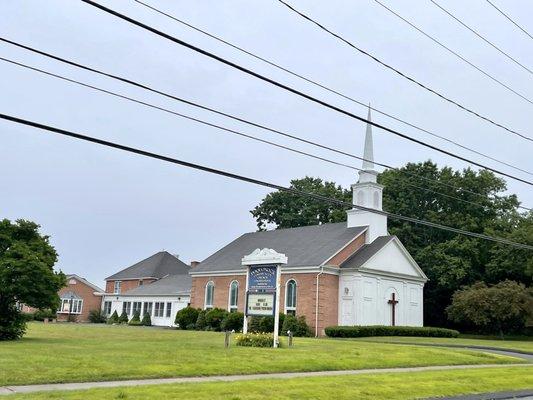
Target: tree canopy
[26, 274]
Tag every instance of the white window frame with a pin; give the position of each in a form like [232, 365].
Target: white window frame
[107, 312]
[73, 306]
[133, 308]
[168, 310]
[291, 309]
[126, 306]
[207, 286]
[145, 303]
[233, 307]
[159, 309]
[117, 287]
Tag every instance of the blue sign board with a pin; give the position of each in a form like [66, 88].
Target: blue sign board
[262, 278]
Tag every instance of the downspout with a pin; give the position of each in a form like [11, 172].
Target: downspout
[316, 305]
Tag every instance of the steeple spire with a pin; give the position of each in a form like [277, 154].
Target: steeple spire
[368, 155]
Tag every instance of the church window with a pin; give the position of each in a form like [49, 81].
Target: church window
[290, 297]
[361, 198]
[209, 292]
[233, 296]
[376, 199]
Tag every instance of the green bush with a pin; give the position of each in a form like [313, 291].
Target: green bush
[265, 324]
[123, 319]
[12, 324]
[146, 321]
[297, 326]
[113, 319]
[136, 319]
[379, 330]
[233, 322]
[255, 340]
[186, 317]
[97, 316]
[27, 316]
[214, 318]
[41, 315]
[201, 323]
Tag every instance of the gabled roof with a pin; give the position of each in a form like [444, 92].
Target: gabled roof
[169, 286]
[304, 246]
[85, 281]
[157, 266]
[366, 252]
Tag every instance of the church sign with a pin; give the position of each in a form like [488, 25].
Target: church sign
[262, 278]
[260, 304]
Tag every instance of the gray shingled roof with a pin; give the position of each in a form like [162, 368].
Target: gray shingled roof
[157, 266]
[170, 285]
[304, 246]
[366, 252]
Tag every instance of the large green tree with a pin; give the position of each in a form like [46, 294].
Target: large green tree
[467, 199]
[26, 274]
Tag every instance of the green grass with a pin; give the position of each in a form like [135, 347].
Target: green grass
[397, 386]
[524, 344]
[83, 352]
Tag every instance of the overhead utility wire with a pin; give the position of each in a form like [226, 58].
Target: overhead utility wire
[213, 110]
[397, 71]
[238, 133]
[257, 181]
[509, 18]
[482, 37]
[292, 90]
[322, 86]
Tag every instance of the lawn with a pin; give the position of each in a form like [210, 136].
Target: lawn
[524, 344]
[397, 386]
[85, 352]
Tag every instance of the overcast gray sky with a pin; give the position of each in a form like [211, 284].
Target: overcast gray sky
[106, 209]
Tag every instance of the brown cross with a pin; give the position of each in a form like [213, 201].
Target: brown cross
[393, 303]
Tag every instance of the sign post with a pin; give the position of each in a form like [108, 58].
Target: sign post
[263, 282]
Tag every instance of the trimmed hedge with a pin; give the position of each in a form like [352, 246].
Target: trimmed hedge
[187, 317]
[380, 330]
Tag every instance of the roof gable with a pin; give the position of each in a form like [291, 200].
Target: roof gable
[158, 265]
[84, 281]
[303, 246]
[385, 254]
[168, 286]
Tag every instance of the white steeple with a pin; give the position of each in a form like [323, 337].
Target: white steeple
[368, 193]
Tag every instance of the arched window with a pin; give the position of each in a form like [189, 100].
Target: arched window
[361, 198]
[290, 297]
[209, 293]
[233, 296]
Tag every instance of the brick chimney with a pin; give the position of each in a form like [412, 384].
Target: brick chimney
[194, 263]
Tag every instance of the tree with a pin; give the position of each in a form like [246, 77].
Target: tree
[500, 308]
[146, 321]
[113, 319]
[123, 319]
[288, 210]
[136, 319]
[186, 317]
[27, 274]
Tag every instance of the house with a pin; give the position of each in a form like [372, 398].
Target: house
[159, 285]
[349, 273]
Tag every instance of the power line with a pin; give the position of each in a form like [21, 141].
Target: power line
[238, 133]
[257, 181]
[509, 18]
[213, 110]
[482, 37]
[322, 86]
[292, 90]
[464, 108]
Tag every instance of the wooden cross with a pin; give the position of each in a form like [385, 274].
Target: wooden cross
[393, 303]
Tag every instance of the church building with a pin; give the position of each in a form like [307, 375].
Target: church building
[349, 273]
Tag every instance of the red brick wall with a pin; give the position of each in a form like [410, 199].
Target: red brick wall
[126, 284]
[351, 248]
[305, 295]
[90, 301]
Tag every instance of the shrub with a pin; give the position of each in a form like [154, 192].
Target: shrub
[201, 323]
[72, 318]
[41, 315]
[255, 340]
[12, 324]
[146, 321]
[136, 319]
[186, 317]
[27, 316]
[214, 318]
[297, 326]
[113, 319]
[123, 319]
[380, 330]
[233, 322]
[97, 316]
[265, 324]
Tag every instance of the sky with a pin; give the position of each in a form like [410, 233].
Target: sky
[105, 209]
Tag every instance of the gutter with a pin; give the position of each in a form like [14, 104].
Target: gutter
[316, 305]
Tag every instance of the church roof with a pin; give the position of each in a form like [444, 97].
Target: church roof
[169, 286]
[304, 246]
[366, 252]
[158, 265]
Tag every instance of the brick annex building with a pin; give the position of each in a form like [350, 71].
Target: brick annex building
[350, 273]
